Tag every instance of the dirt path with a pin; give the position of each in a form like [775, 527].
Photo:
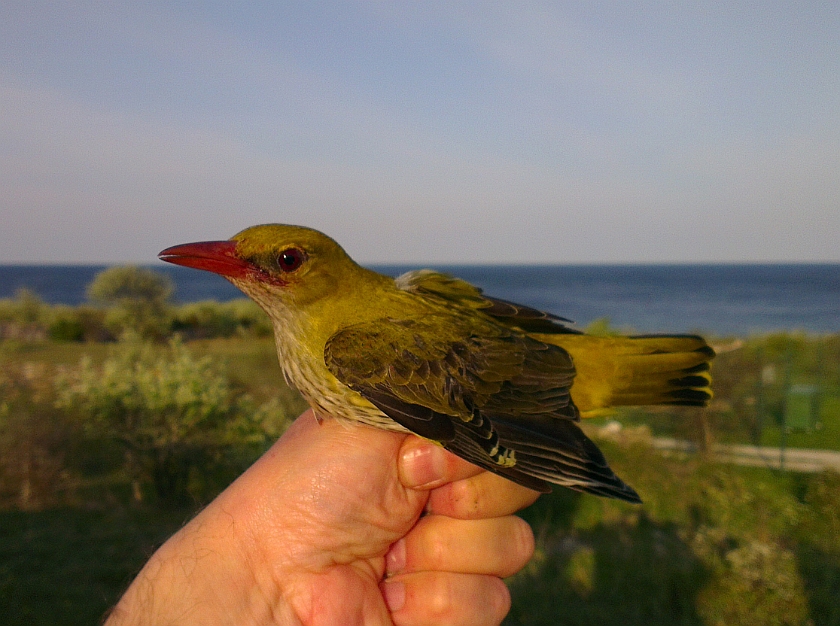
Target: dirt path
[797, 459]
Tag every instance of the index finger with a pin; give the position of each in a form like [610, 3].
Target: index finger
[458, 488]
[481, 496]
[426, 465]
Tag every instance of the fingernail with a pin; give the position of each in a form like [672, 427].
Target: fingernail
[394, 594]
[395, 559]
[423, 466]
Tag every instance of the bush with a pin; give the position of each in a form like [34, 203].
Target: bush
[35, 438]
[203, 320]
[755, 582]
[138, 299]
[66, 328]
[171, 412]
[82, 323]
[22, 316]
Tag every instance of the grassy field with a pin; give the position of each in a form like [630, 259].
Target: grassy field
[712, 544]
[252, 363]
[67, 566]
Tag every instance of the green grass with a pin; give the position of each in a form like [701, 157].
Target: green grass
[251, 363]
[827, 436]
[51, 352]
[68, 566]
[711, 545]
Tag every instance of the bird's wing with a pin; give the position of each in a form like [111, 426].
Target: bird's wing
[460, 292]
[490, 394]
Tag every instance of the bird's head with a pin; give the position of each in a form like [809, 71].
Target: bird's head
[273, 263]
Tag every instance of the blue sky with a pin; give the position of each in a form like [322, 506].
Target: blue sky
[488, 132]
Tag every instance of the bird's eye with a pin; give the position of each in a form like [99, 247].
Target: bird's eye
[290, 259]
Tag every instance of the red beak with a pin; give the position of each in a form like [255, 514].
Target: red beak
[218, 257]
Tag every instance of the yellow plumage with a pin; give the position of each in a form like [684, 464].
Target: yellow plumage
[636, 371]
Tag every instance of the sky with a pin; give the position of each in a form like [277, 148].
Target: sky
[423, 132]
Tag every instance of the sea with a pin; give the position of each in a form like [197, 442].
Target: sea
[721, 300]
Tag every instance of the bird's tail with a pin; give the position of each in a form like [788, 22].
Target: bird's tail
[635, 371]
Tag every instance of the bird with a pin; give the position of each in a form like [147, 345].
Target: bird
[500, 384]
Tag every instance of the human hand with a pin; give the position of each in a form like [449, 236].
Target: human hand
[326, 528]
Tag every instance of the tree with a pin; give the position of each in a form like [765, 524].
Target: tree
[139, 299]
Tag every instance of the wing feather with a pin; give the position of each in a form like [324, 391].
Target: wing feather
[485, 391]
[460, 292]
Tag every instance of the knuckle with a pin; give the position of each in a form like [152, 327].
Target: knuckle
[517, 547]
[436, 550]
[523, 542]
[501, 602]
[441, 599]
[466, 496]
[476, 600]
